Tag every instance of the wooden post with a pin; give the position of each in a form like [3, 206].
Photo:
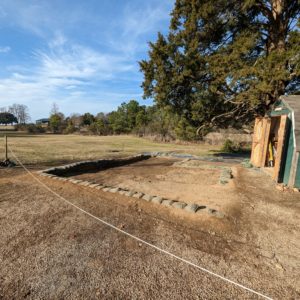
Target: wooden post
[260, 141]
[5, 141]
[280, 146]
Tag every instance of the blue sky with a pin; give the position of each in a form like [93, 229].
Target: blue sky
[82, 55]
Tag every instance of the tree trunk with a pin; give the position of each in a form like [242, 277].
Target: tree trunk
[278, 27]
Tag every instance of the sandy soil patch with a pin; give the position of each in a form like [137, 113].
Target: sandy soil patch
[191, 182]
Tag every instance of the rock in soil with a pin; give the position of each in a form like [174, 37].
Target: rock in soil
[157, 200]
[147, 197]
[129, 193]
[167, 202]
[138, 195]
[179, 204]
[280, 188]
[114, 190]
[215, 213]
[192, 208]
[106, 189]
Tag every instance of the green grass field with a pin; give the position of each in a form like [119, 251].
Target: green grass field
[52, 149]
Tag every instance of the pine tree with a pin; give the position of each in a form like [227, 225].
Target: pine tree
[224, 61]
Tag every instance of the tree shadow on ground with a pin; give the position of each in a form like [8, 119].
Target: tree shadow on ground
[240, 154]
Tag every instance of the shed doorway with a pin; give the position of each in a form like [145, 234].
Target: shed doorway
[268, 144]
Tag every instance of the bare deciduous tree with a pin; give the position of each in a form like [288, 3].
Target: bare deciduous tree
[21, 112]
[54, 109]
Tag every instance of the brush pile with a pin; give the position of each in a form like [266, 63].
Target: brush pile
[7, 164]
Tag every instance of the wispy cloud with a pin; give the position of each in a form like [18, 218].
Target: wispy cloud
[63, 71]
[80, 62]
[84, 55]
[140, 20]
[137, 23]
[4, 49]
[38, 17]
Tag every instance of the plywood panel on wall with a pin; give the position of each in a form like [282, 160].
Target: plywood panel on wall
[260, 141]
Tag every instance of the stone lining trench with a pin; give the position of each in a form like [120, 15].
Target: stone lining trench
[60, 173]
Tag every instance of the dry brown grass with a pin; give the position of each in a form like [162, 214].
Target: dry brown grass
[51, 149]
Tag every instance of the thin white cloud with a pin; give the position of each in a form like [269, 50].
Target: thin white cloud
[140, 20]
[59, 40]
[5, 49]
[2, 12]
[41, 18]
[64, 72]
[137, 22]
[68, 67]
[79, 62]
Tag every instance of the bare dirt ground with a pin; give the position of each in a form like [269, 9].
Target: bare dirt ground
[167, 178]
[49, 250]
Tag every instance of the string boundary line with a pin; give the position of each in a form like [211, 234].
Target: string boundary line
[139, 239]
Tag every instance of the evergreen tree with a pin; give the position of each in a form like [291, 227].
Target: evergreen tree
[124, 120]
[87, 119]
[224, 61]
[7, 118]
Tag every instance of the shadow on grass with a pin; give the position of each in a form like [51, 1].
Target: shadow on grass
[246, 153]
[19, 134]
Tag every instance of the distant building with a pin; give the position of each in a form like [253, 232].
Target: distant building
[42, 122]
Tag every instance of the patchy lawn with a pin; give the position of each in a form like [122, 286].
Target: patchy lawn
[51, 149]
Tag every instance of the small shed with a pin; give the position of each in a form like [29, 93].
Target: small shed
[276, 141]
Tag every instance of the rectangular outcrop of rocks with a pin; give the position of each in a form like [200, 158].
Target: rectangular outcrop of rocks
[65, 173]
[93, 165]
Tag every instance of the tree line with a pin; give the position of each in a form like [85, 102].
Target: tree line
[128, 118]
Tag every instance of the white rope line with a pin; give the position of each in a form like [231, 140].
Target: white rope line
[139, 239]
